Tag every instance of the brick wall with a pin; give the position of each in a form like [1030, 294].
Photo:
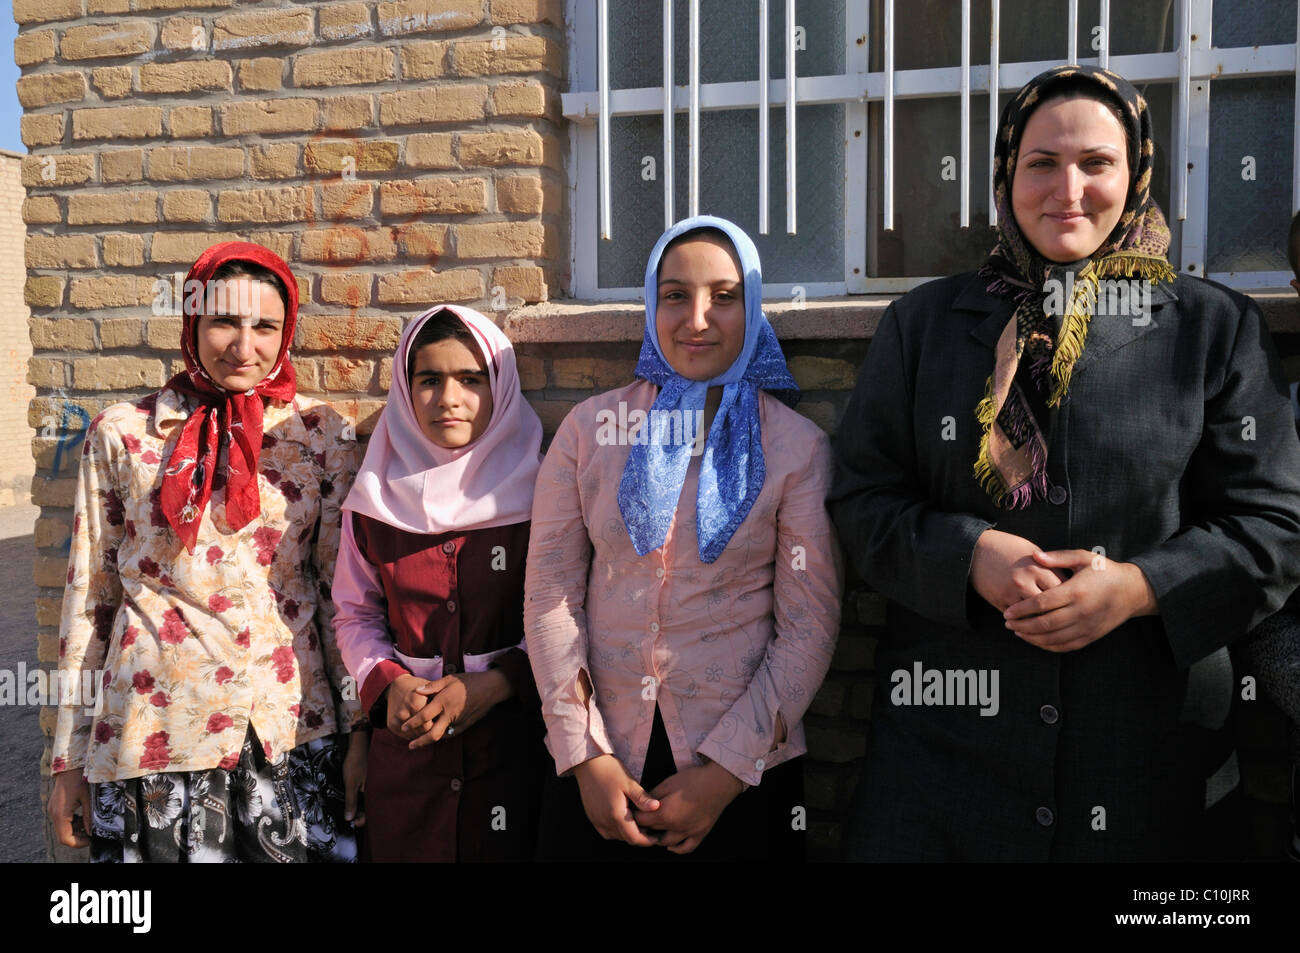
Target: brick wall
[396, 154]
[16, 465]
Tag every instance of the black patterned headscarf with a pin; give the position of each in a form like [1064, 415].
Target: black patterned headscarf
[1012, 462]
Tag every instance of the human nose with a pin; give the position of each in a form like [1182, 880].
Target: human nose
[1069, 184]
[242, 346]
[699, 316]
[449, 395]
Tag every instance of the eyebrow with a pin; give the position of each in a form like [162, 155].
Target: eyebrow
[233, 314]
[1049, 152]
[680, 281]
[426, 372]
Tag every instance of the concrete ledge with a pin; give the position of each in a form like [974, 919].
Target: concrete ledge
[846, 318]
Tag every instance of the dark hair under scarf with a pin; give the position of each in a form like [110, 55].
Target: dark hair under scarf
[1012, 462]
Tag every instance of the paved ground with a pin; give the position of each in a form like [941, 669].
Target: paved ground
[21, 836]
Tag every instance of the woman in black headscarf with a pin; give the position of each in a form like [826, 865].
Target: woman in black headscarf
[1074, 476]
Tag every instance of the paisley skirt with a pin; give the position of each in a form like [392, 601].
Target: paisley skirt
[258, 812]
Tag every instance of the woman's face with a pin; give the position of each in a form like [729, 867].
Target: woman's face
[450, 393]
[700, 314]
[1071, 178]
[239, 340]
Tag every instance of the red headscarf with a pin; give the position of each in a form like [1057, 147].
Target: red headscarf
[234, 419]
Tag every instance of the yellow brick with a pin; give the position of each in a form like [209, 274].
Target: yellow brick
[344, 200]
[432, 196]
[329, 156]
[117, 373]
[43, 129]
[822, 373]
[261, 74]
[551, 412]
[50, 611]
[186, 205]
[425, 60]
[109, 6]
[121, 165]
[519, 99]
[43, 291]
[347, 245]
[271, 115]
[110, 291]
[527, 282]
[184, 247]
[501, 240]
[43, 11]
[236, 31]
[347, 112]
[97, 42]
[307, 375]
[41, 210]
[278, 160]
[501, 148]
[163, 334]
[362, 65]
[49, 170]
[344, 21]
[112, 82]
[346, 374]
[427, 287]
[528, 11]
[433, 104]
[33, 47]
[385, 374]
[181, 163]
[47, 533]
[187, 77]
[586, 373]
[61, 251]
[51, 571]
[264, 205]
[178, 4]
[329, 332]
[119, 122]
[47, 372]
[424, 242]
[519, 193]
[532, 372]
[63, 334]
[429, 151]
[112, 208]
[522, 54]
[47, 88]
[122, 250]
[120, 332]
[351, 289]
[428, 16]
[282, 244]
[190, 122]
[184, 33]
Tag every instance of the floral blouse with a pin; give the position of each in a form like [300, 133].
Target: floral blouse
[191, 649]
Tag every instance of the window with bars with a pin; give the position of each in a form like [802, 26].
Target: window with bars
[880, 92]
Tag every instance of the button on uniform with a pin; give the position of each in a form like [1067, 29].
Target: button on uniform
[448, 547]
[654, 626]
[451, 605]
[456, 785]
[1049, 714]
[449, 669]
[659, 572]
[1057, 495]
[1044, 816]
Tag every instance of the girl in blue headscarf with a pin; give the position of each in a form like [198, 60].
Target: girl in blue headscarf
[682, 595]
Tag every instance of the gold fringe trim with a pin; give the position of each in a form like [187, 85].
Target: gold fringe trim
[986, 474]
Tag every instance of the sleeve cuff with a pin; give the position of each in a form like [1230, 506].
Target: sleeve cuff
[381, 676]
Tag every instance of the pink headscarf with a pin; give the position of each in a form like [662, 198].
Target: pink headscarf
[409, 482]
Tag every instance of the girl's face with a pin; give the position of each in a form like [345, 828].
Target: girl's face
[700, 314]
[1071, 178]
[451, 393]
[239, 342]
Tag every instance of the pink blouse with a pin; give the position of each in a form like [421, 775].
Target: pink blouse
[722, 647]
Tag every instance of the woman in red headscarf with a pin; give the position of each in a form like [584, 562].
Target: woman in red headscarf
[198, 604]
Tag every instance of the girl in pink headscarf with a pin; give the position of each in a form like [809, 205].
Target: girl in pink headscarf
[429, 593]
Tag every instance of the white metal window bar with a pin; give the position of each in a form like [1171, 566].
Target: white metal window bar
[1191, 66]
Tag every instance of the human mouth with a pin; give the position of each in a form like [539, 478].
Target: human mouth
[1068, 218]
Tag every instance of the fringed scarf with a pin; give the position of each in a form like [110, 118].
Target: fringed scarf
[1020, 394]
[223, 418]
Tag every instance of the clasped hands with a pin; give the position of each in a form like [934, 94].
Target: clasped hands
[420, 711]
[1058, 601]
[677, 813]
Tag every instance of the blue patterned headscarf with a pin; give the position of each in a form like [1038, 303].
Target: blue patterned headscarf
[732, 469]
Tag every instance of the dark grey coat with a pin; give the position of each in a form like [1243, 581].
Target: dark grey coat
[1149, 459]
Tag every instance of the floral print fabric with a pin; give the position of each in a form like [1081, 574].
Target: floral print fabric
[194, 648]
[227, 815]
